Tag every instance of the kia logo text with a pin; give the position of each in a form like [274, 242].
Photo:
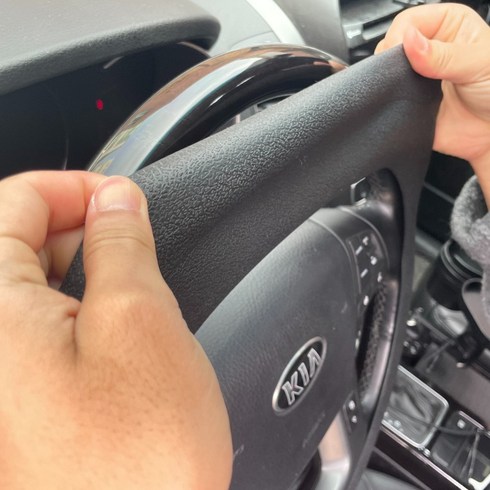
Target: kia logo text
[299, 375]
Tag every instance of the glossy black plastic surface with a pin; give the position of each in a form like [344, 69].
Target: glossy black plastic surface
[197, 103]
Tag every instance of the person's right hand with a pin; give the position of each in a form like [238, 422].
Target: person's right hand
[451, 42]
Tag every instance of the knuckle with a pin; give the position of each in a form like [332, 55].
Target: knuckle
[138, 305]
[130, 311]
[444, 59]
[117, 239]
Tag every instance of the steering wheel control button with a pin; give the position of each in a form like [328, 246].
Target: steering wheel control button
[299, 375]
[360, 191]
[369, 258]
[351, 411]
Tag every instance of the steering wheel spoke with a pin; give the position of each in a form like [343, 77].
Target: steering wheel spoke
[341, 448]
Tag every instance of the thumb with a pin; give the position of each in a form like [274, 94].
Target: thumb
[118, 248]
[432, 58]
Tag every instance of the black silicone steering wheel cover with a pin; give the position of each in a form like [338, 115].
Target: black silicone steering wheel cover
[220, 206]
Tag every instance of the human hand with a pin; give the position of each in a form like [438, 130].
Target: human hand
[452, 43]
[112, 392]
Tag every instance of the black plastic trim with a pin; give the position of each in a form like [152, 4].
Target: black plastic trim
[41, 40]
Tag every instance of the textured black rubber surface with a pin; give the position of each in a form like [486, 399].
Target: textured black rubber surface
[40, 40]
[221, 205]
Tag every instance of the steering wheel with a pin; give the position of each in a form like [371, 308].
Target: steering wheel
[299, 302]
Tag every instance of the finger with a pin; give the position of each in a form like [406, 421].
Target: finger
[126, 301]
[36, 203]
[444, 60]
[442, 22]
[59, 251]
[33, 205]
[118, 248]
[380, 47]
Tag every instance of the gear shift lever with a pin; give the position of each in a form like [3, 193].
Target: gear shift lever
[440, 303]
[414, 410]
[473, 308]
[452, 268]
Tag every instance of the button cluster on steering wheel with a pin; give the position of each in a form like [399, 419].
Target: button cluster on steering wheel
[370, 263]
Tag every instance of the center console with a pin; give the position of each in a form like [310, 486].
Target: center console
[436, 427]
[415, 410]
[447, 448]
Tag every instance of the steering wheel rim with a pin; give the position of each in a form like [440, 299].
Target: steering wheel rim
[224, 193]
[198, 103]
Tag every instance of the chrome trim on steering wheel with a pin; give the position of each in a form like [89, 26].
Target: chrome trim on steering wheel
[201, 100]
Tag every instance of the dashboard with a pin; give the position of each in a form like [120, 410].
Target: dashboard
[61, 123]
[88, 86]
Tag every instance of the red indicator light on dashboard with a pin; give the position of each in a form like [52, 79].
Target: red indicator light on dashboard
[99, 103]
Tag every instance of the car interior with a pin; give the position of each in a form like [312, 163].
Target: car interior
[300, 217]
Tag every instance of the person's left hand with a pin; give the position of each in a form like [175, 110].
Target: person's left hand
[112, 392]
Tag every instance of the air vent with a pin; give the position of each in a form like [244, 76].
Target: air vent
[365, 22]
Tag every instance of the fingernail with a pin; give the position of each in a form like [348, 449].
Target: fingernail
[421, 43]
[116, 194]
